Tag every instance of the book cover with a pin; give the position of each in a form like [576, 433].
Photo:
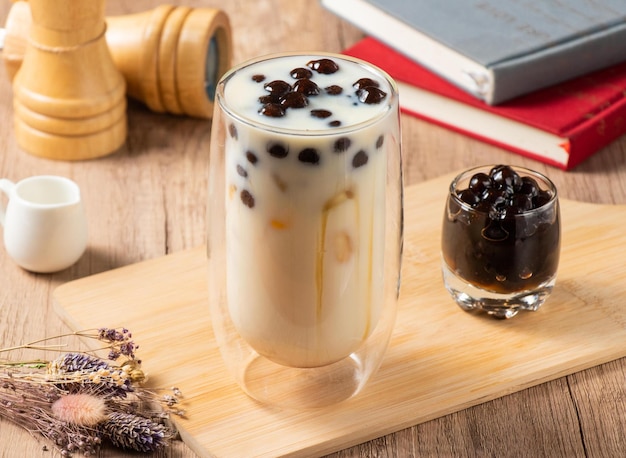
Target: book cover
[497, 49]
[561, 125]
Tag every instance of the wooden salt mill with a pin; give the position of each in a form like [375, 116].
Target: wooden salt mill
[68, 97]
[171, 57]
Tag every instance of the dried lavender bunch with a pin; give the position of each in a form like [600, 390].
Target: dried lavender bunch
[134, 432]
[120, 342]
[72, 371]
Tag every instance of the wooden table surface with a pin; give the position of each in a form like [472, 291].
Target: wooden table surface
[148, 199]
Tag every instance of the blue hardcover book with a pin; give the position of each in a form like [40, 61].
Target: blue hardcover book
[497, 49]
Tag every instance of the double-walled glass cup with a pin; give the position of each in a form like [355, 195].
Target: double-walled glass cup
[305, 225]
[501, 240]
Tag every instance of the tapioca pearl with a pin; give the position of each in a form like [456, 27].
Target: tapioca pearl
[323, 66]
[542, 198]
[529, 187]
[232, 130]
[519, 204]
[258, 78]
[360, 159]
[269, 98]
[371, 95]
[309, 156]
[277, 150]
[484, 207]
[247, 198]
[333, 90]
[306, 87]
[294, 100]
[365, 82]
[252, 158]
[469, 197]
[241, 171]
[277, 87]
[496, 197]
[301, 72]
[525, 273]
[342, 144]
[273, 110]
[503, 176]
[335, 123]
[480, 182]
[320, 113]
[380, 141]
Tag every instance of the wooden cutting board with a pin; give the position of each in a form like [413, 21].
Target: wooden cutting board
[440, 359]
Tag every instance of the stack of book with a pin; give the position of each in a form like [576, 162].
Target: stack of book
[545, 79]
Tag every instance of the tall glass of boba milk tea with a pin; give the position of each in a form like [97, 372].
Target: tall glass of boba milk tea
[305, 225]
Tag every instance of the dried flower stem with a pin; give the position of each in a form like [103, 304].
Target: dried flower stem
[118, 342]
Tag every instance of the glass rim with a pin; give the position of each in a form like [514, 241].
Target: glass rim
[389, 109]
[486, 168]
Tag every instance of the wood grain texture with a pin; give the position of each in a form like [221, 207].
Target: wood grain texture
[147, 200]
[440, 359]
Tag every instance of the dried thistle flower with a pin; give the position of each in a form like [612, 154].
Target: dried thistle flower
[29, 406]
[78, 399]
[80, 409]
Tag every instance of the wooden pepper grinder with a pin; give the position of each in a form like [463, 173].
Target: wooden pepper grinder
[16, 30]
[171, 57]
[68, 96]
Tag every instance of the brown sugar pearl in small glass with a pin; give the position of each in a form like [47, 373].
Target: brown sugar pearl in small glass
[501, 240]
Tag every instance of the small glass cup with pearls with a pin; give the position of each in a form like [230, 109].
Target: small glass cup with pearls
[501, 239]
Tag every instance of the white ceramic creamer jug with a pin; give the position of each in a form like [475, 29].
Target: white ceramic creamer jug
[45, 228]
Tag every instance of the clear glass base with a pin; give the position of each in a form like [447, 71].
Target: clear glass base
[503, 306]
[303, 388]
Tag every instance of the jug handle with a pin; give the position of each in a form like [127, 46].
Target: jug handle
[6, 186]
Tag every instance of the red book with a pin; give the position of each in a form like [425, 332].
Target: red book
[561, 125]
